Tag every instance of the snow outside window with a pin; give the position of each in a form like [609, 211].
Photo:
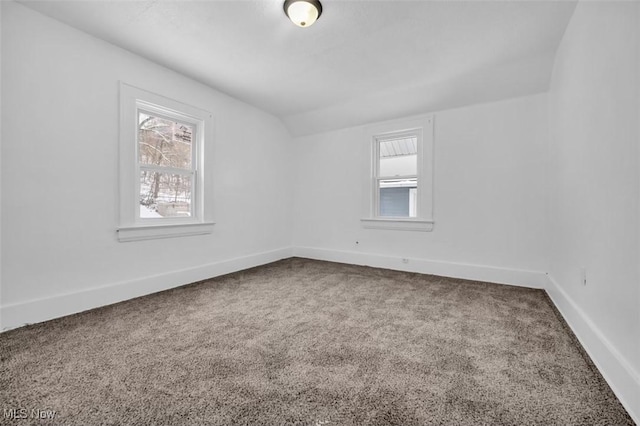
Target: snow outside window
[162, 168]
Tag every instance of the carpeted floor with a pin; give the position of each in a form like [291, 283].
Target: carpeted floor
[310, 343]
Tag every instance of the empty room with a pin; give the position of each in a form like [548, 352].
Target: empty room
[333, 212]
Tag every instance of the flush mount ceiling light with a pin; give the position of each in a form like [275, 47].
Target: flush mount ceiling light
[303, 13]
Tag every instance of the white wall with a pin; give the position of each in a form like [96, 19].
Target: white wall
[60, 176]
[1, 169]
[489, 203]
[499, 215]
[594, 188]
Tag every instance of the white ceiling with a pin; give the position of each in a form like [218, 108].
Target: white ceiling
[362, 61]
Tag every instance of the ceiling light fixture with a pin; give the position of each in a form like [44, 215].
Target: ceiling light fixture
[303, 13]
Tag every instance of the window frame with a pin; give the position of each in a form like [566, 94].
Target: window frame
[377, 178]
[422, 129]
[132, 227]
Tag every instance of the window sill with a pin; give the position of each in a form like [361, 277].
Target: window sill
[152, 232]
[398, 224]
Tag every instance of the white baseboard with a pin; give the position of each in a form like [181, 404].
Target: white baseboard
[621, 376]
[493, 274]
[38, 310]
[623, 379]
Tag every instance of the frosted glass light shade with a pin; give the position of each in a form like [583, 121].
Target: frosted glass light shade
[303, 13]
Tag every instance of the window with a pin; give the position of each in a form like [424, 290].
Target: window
[399, 181]
[397, 174]
[162, 173]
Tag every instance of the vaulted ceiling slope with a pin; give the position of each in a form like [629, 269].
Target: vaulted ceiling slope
[362, 61]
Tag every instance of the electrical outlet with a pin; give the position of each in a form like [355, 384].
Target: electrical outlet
[583, 275]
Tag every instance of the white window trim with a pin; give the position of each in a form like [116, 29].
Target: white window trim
[423, 127]
[132, 227]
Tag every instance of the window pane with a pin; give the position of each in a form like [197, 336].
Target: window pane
[397, 197]
[163, 142]
[164, 194]
[398, 157]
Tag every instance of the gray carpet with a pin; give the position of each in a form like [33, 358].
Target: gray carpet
[310, 343]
